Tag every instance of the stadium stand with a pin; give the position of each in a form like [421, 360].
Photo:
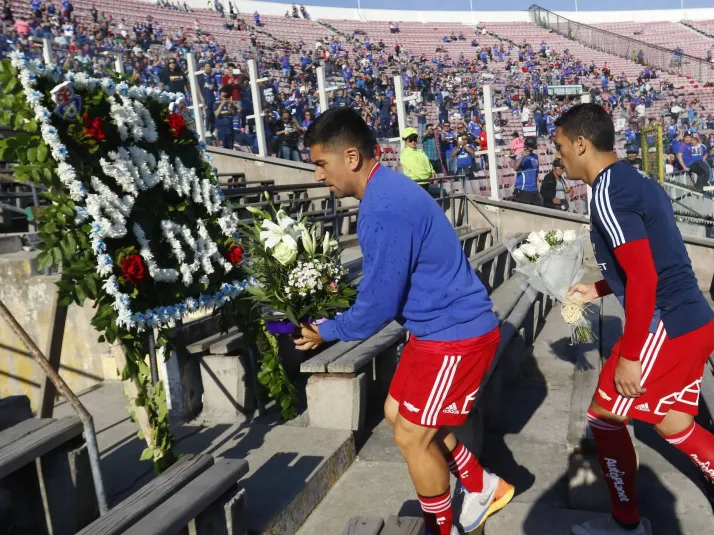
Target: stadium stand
[446, 64]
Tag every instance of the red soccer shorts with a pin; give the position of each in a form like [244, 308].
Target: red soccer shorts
[672, 370]
[436, 382]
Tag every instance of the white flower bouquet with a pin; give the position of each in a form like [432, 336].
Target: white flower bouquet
[551, 262]
[295, 269]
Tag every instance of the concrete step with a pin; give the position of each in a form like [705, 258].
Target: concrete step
[535, 519]
[368, 488]
[292, 467]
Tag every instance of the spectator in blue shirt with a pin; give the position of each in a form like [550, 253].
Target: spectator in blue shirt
[526, 166]
[207, 87]
[462, 156]
[691, 157]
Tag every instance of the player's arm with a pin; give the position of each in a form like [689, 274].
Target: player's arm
[635, 259]
[621, 221]
[386, 265]
[602, 288]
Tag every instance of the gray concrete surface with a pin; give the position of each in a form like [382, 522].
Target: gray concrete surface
[227, 394]
[291, 466]
[336, 402]
[528, 448]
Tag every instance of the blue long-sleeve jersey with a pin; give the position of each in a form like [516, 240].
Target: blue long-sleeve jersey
[415, 270]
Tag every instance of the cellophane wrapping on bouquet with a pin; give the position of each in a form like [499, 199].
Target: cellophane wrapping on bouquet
[551, 263]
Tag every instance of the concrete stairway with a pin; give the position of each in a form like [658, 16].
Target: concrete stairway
[525, 444]
[528, 445]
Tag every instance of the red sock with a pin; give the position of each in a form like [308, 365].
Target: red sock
[698, 444]
[464, 465]
[618, 462]
[438, 515]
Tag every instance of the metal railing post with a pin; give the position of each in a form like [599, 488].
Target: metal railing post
[195, 97]
[47, 50]
[401, 115]
[119, 64]
[335, 219]
[322, 90]
[491, 142]
[452, 202]
[257, 107]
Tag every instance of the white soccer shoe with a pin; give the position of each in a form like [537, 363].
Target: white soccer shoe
[608, 526]
[478, 506]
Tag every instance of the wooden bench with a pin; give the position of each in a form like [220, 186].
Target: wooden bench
[212, 503]
[148, 498]
[337, 389]
[374, 525]
[44, 470]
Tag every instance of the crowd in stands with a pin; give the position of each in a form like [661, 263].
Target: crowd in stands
[447, 84]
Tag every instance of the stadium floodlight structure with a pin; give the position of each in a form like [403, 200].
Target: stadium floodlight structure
[491, 151]
[323, 89]
[257, 106]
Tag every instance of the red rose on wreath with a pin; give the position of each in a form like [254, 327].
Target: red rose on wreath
[235, 254]
[132, 267]
[93, 127]
[176, 124]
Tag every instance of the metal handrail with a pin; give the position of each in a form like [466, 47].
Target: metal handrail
[90, 434]
[536, 11]
[333, 214]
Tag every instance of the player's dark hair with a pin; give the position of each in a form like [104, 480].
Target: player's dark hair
[530, 143]
[339, 128]
[590, 121]
[226, 89]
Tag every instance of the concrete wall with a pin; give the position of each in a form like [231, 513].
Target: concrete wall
[282, 172]
[30, 296]
[509, 218]
[254, 167]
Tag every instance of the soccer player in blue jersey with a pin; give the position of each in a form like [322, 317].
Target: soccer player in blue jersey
[654, 373]
[415, 272]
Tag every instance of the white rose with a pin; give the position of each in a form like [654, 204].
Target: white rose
[569, 236]
[284, 253]
[559, 235]
[518, 256]
[535, 237]
[529, 250]
[538, 241]
[542, 233]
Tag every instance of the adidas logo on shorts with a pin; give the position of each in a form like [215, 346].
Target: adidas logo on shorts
[452, 409]
[643, 407]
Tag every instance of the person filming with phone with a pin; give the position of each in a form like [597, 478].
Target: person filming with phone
[554, 190]
[526, 166]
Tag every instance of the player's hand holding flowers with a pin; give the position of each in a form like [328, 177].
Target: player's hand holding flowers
[297, 276]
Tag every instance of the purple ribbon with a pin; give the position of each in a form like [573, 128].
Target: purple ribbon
[285, 326]
[276, 327]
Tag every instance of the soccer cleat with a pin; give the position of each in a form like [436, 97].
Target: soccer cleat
[608, 526]
[478, 506]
